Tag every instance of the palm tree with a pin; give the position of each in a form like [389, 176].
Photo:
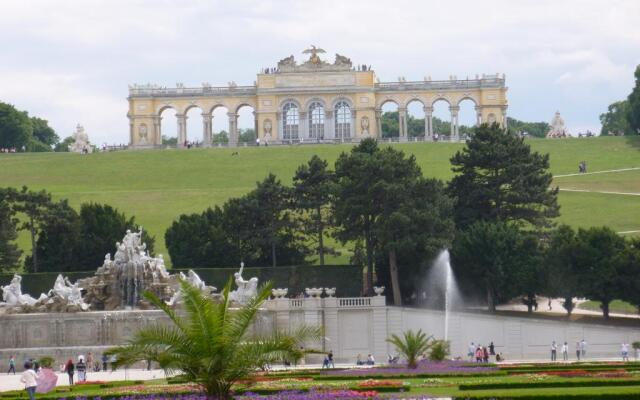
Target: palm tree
[412, 345]
[210, 342]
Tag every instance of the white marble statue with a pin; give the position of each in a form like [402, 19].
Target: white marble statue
[558, 129]
[81, 141]
[194, 280]
[12, 294]
[67, 292]
[246, 289]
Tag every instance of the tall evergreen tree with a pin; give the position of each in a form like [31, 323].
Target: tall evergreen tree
[101, 227]
[633, 112]
[58, 239]
[35, 206]
[600, 259]
[9, 251]
[498, 178]
[313, 187]
[562, 259]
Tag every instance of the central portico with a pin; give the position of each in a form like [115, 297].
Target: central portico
[312, 101]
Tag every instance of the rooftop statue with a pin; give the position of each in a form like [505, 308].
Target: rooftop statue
[314, 58]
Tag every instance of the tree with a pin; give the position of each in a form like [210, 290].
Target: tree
[221, 137]
[416, 221]
[562, 258]
[498, 178]
[169, 141]
[356, 206]
[533, 129]
[201, 240]
[101, 227]
[15, 127]
[630, 271]
[63, 146]
[492, 255]
[43, 133]
[58, 240]
[209, 343]
[246, 136]
[261, 227]
[615, 120]
[599, 257]
[313, 186]
[10, 253]
[528, 271]
[411, 345]
[633, 114]
[34, 206]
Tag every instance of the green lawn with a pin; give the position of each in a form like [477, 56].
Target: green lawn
[158, 185]
[616, 306]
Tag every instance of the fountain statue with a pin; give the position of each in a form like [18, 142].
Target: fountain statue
[12, 295]
[80, 141]
[246, 289]
[194, 280]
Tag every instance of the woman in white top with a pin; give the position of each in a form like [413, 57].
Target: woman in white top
[29, 379]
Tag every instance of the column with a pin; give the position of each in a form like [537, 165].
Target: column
[157, 130]
[454, 122]
[131, 131]
[402, 123]
[182, 129]
[478, 115]
[504, 117]
[255, 124]
[207, 129]
[428, 123]
[233, 129]
[303, 130]
[277, 129]
[329, 125]
[353, 128]
[379, 122]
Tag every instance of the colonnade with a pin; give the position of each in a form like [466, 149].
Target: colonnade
[207, 127]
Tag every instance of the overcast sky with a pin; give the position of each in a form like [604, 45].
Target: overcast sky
[71, 61]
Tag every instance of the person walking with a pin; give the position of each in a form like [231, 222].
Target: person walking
[90, 362]
[104, 359]
[485, 355]
[12, 365]
[471, 351]
[578, 350]
[554, 350]
[29, 379]
[583, 348]
[81, 367]
[565, 352]
[625, 351]
[492, 349]
[70, 369]
[330, 357]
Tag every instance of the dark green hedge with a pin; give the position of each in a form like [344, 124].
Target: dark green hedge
[346, 278]
[550, 384]
[586, 396]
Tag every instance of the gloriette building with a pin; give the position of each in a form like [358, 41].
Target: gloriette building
[315, 101]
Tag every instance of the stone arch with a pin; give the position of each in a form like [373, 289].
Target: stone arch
[194, 129]
[165, 107]
[167, 127]
[245, 114]
[440, 98]
[388, 100]
[475, 101]
[312, 100]
[290, 100]
[414, 99]
[245, 104]
[338, 99]
[218, 105]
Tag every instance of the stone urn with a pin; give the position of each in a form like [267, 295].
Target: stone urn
[330, 291]
[279, 292]
[313, 292]
[378, 290]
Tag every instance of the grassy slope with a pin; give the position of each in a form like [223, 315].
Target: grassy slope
[157, 186]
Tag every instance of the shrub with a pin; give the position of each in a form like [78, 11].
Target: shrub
[46, 362]
[440, 350]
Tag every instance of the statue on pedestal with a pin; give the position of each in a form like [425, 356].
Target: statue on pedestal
[558, 129]
[81, 141]
[246, 289]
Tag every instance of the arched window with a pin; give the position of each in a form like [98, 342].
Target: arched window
[290, 121]
[316, 120]
[343, 120]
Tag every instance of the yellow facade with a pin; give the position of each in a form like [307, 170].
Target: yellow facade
[312, 102]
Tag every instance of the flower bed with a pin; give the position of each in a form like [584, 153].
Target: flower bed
[550, 384]
[312, 395]
[424, 369]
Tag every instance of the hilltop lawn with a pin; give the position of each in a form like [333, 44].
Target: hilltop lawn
[158, 185]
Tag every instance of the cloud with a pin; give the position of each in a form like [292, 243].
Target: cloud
[71, 61]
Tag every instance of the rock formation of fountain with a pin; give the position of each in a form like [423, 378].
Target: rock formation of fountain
[118, 284]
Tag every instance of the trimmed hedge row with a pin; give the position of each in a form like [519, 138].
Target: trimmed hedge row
[551, 384]
[548, 367]
[586, 396]
[407, 376]
[346, 278]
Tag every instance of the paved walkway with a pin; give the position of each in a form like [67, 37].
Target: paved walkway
[556, 307]
[598, 172]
